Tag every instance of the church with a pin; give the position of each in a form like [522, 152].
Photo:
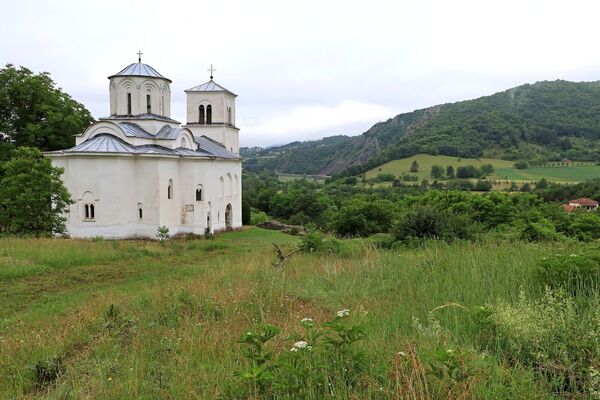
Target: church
[139, 169]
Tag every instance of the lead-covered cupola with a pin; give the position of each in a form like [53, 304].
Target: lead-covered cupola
[139, 90]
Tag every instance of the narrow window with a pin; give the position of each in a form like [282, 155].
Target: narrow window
[87, 211]
[229, 115]
[208, 114]
[91, 211]
[170, 190]
[140, 213]
[201, 115]
[148, 104]
[128, 103]
[198, 194]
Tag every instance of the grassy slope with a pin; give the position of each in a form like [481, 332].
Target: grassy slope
[190, 301]
[504, 169]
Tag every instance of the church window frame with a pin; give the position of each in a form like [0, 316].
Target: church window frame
[229, 121]
[201, 115]
[89, 213]
[170, 190]
[128, 103]
[209, 115]
[148, 103]
[199, 194]
[140, 209]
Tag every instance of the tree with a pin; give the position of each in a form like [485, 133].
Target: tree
[36, 113]
[363, 217]
[437, 172]
[521, 165]
[487, 169]
[414, 167]
[450, 172]
[246, 211]
[33, 198]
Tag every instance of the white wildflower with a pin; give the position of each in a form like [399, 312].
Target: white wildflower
[308, 322]
[401, 354]
[301, 344]
[343, 313]
[572, 255]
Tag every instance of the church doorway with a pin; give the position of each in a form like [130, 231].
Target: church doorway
[228, 217]
[208, 223]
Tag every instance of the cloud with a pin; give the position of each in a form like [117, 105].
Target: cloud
[312, 122]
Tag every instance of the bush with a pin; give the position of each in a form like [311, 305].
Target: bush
[549, 335]
[385, 178]
[162, 233]
[521, 165]
[258, 217]
[426, 222]
[382, 240]
[315, 242]
[575, 273]
[246, 212]
[540, 231]
[363, 217]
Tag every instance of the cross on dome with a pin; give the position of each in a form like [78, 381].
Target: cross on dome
[211, 70]
[139, 53]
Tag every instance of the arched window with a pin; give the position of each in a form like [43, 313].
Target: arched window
[140, 211]
[199, 193]
[148, 104]
[170, 190]
[201, 115]
[208, 114]
[87, 211]
[229, 115]
[128, 103]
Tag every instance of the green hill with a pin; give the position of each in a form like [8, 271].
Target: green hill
[538, 122]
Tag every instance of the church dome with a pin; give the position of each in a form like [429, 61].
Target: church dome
[139, 69]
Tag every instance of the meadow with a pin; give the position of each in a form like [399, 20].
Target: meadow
[504, 169]
[140, 319]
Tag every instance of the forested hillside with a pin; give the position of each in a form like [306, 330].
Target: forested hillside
[539, 122]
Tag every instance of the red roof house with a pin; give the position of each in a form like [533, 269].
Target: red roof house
[583, 203]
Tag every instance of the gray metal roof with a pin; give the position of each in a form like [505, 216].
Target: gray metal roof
[139, 116]
[139, 69]
[213, 147]
[107, 143]
[210, 86]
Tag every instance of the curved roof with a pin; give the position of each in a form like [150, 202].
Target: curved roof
[108, 143]
[139, 69]
[210, 86]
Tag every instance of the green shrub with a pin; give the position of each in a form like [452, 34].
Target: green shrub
[542, 230]
[162, 233]
[316, 242]
[550, 335]
[382, 240]
[521, 165]
[426, 222]
[322, 360]
[258, 217]
[578, 274]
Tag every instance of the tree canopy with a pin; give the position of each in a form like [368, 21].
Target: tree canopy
[33, 198]
[35, 112]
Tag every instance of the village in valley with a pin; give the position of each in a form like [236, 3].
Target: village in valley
[392, 202]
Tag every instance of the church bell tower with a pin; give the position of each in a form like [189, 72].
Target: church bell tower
[211, 113]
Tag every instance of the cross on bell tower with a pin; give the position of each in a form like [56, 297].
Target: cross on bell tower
[211, 70]
[139, 53]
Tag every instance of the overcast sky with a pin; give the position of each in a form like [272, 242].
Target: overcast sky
[307, 69]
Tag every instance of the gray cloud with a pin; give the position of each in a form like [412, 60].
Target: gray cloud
[304, 69]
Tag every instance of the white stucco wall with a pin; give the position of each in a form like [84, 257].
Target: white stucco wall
[116, 184]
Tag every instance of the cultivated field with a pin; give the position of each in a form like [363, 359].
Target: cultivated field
[179, 309]
[503, 169]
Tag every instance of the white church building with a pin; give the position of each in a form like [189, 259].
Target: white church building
[138, 169]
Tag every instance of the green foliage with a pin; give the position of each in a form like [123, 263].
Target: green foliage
[521, 165]
[427, 222]
[258, 217]
[576, 273]
[385, 178]
[246, 211]
[36, 113]
[322, 360]
[450, 172]
[162, 233]
[585, 225]
[316, 242]
[33, 198]
[382, 240]
[414, 167]
[47, 371]
[437, 172]
[362, 217]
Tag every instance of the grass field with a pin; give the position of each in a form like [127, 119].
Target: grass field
[503, 169]
[183, 306]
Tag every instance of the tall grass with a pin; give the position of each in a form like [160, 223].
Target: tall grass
[178, 310]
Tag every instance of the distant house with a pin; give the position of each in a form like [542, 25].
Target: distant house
[583, 203]
[566, 161]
